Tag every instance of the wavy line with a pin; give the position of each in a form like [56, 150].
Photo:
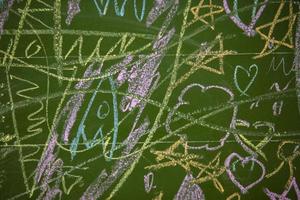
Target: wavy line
[34, 128]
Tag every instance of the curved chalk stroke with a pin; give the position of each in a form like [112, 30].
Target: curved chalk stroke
[137, 99]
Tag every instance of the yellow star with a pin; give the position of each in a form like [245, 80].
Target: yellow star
[173, 158]
[210, 172]
[206, 56]
[213, 10]
[271, 43]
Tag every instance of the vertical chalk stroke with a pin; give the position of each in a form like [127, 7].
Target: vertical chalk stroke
[297, 59]
[177, 106]
[58, 38]
[73, 9]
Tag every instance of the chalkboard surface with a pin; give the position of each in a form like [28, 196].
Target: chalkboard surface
[142, 99]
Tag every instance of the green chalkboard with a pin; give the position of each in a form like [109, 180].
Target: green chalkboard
[149, 99]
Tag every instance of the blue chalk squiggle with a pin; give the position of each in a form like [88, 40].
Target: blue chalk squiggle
[80, 132]
[81, 129]
[120, 10]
